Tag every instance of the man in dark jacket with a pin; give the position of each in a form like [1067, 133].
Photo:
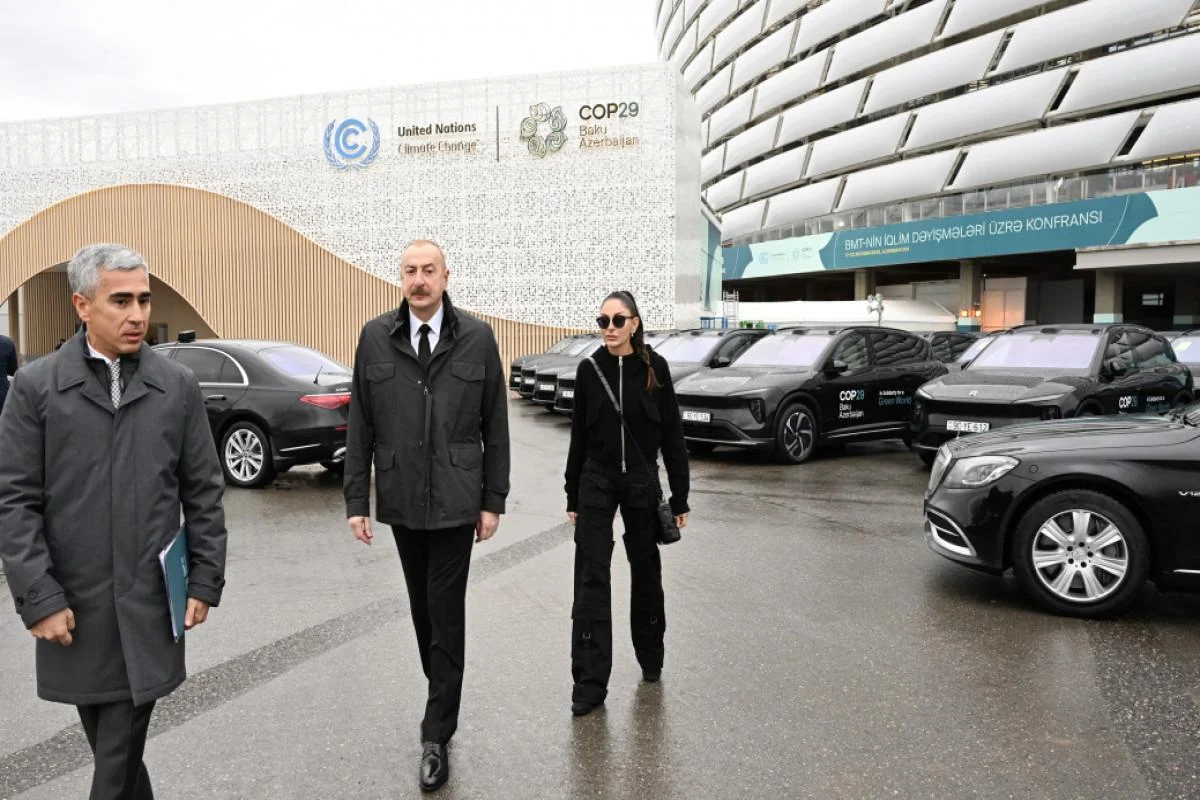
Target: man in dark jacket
[429, 407]
[8, 366]
[101, 445]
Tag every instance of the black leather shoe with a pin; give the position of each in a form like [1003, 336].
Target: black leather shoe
[581, 707]
[651, 675]
[435, 766]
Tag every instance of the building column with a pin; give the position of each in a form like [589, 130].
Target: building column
[1187, 302]
[1110, 296]
[970, 281]
[864, 283]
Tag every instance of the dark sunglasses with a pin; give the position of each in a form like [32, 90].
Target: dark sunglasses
[618, 321]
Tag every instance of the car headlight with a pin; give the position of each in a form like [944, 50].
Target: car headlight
[1045, 398]
[975, 471]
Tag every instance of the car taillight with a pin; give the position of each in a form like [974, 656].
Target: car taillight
[330, 402]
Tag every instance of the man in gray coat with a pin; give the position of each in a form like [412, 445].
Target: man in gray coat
[102, 444]
[429, 406]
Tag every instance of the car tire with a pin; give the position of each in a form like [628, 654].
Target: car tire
[246, 456]
[335, 467]
[1046, 533]
[1088, 411]
[796, 434]
[1181, 401]
[701, 448]
[927, 457]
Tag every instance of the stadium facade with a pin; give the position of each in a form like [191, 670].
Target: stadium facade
[1013, 160]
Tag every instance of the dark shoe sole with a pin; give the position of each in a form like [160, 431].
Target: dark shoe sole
[652, 677]
[433, 787]
[581, 709]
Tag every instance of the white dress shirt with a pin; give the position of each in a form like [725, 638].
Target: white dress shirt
[435, 329]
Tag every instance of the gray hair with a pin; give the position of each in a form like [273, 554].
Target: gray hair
[428, 243]
[84, 269]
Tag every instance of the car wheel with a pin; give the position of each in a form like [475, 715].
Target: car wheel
[1080, 553]
[795, 434]
[927, 457]
[701, 448]
[1088, 411]
[1181, 401]
[336, 467]
[246, 455]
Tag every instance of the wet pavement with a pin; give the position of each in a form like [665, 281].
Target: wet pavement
[815, 649]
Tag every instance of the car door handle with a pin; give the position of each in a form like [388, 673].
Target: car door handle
[211, 398]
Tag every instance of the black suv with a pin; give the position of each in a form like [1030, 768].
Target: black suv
[1187, 349]
[1084, 511]
[800, 387]
[560, 380]
[694, 350]
[1050, 372]
[514, 369]
[949, 346]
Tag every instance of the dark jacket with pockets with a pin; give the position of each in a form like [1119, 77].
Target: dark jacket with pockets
[89, 495]
[439, 442]
[8, 365]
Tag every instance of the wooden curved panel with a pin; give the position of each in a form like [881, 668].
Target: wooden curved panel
[247, 274]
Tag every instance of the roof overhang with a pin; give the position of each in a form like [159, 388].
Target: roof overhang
[1140, 256]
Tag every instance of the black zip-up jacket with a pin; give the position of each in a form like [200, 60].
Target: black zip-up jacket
[652, 418]
[439, 441]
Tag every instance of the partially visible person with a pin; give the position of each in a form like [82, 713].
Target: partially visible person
[608, 469]
[104, 446]
[8, 366]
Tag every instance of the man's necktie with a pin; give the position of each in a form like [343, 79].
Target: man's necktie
[114, 382]
[423, 351]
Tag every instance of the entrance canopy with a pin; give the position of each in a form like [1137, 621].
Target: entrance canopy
[917, 316]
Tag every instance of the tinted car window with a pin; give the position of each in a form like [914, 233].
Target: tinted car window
[559, 346]
[1067, 350]
[734, 346]
[1187, 349]
[300, 362]
[686, 349]
[853, 351]
[975, 349]
[788, 349]
[579, 347]
[1119, 355]
[1154, 353]
[206, 364]
[892, 348]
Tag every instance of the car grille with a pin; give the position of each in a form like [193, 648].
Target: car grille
[947, 534]
[996, 413]
[543, 387]
[702, 402]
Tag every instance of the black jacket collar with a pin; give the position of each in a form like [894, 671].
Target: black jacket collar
[449, 319]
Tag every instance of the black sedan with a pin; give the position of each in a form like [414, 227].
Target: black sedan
[271, 405]
[1051, 372]
[798, 388]
[1083, 510]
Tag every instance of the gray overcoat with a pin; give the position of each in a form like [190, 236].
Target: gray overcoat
[88, 498]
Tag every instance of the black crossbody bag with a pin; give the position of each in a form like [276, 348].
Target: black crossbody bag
[668, 531]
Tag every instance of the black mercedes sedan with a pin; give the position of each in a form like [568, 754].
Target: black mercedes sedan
[800, 387]
[1051, 372]
[1083, 511]
[271, 405]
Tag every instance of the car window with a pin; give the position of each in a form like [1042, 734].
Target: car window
[975, 348]
[943, 348]
[852, 350]
[687, 349]
[1152, 352]
[207, 365]
[560, 345]
[656, 339]
[580, 346]
[1119, 356]
[1187, 349]
[300, 362]
[892, 348]
[734, 346]
[1062, 350]
[788, 350]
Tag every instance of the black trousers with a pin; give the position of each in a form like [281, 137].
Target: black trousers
[601, 494]
[116, 732]
[436, 564]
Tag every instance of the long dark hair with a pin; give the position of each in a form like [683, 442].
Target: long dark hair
[640, 348]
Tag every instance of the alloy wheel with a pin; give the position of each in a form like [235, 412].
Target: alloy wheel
[798, 434]
[1080, 556]
[244, 455]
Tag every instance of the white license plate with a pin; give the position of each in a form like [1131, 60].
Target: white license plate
[545, 387]
[568, 394]
[966, 426]
[528, 381]
[697, 416]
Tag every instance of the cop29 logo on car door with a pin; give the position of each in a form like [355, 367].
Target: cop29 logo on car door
[348, 144]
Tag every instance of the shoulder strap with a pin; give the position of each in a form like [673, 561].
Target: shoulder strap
[621, 416]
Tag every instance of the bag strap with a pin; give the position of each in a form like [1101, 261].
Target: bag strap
[621, 416]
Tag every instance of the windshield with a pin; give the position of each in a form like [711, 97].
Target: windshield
[687, 349]
[300, 362]
[1036, 350]
[656, 339]
[786, 350]
[580, 346]
[975, 349]
[1187, 349]
[560, 345]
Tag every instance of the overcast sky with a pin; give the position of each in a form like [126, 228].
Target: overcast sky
[70, 57]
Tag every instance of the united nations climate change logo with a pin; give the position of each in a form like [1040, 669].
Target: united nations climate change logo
[344, 150]
[531, 130]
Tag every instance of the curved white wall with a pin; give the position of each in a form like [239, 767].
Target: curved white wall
[816, 106]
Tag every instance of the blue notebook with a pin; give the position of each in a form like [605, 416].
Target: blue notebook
[174, 560]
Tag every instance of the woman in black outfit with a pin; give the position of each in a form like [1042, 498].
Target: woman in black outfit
[605, 472]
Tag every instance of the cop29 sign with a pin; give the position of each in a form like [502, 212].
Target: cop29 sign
[345, 146]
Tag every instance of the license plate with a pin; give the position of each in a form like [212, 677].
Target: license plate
[966, 426]
[696, 416]
[528, 381]
[568, 394]
[545, 387]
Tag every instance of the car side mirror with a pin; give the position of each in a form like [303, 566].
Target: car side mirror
[837, 367]
[722, 361]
